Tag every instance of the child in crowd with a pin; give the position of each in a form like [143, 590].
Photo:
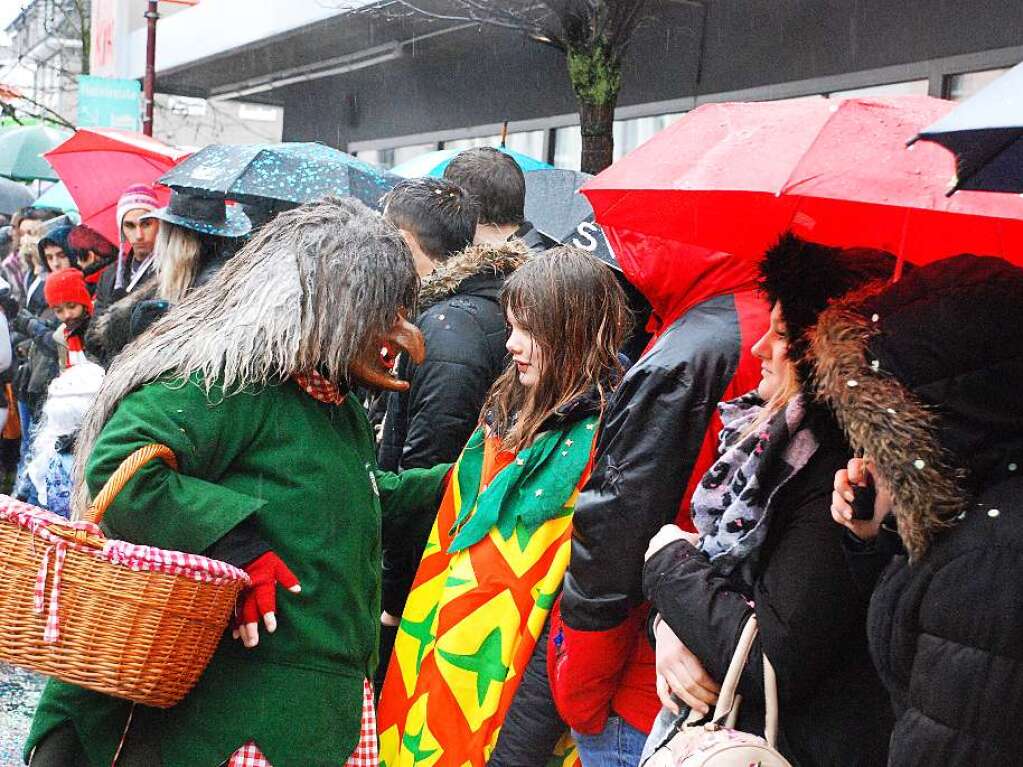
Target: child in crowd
[467, 644]
[52, 457]
[68, 296]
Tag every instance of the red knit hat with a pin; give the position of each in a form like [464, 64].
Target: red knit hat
[67, 286]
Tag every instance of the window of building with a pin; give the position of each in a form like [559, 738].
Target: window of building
[962, 86]
[459, 144]
[629, 134]
[527, 142]
[918, 87]
[568, 147]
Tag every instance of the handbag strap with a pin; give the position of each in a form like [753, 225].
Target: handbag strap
[728, 701]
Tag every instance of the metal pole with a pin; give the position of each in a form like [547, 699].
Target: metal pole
[150, 78]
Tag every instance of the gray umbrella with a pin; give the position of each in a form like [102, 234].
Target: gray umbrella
[13, 196]
[985, 133]
[555, 207]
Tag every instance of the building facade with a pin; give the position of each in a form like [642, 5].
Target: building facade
[48, 44]
[387, 89]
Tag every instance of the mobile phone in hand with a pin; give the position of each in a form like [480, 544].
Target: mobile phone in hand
[864, 497]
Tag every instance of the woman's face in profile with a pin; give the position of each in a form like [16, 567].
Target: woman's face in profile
[773, 352]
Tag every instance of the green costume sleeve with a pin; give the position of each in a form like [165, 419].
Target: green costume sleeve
[413, 492]
[188, 509]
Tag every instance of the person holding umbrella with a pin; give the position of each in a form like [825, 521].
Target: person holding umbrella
[195, 237]
[658, 436]
[765, 545]
[925, 378]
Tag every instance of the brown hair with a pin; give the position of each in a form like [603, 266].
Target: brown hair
[577, 313]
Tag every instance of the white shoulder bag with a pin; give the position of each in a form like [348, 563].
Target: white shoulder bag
[717, 743]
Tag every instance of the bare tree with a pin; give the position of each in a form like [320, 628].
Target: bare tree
[594, 36]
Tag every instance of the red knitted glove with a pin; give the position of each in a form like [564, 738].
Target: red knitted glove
[260, 598]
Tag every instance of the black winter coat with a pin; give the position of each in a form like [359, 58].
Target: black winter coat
[463, 326]
[811, 615]
[938, 363]
[947, 637]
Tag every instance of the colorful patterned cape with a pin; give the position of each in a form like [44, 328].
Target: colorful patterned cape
[475, 611]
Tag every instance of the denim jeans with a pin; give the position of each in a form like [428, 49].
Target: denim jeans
[619, 744]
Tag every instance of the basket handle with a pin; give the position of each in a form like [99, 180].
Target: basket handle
[125, 472]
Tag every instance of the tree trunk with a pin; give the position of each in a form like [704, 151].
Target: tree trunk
[596, 122]
[596, 78]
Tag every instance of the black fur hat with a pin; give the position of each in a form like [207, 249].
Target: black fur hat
[805, 277]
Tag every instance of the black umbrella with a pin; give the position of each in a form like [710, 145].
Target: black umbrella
[279, 175]
[985, 133]
[13, 196]
[555, 207]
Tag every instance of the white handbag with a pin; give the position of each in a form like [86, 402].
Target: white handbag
[716, 743]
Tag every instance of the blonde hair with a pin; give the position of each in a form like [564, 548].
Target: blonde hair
[178, 257]
[788, 389]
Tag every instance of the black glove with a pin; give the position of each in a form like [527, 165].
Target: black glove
[146, 313]
[21, 320]
[9, 305]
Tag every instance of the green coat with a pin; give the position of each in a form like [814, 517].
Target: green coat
[305, 472]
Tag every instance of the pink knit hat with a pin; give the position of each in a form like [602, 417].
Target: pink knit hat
[135, 197]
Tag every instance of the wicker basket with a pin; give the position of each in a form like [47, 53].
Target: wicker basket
[74, 607]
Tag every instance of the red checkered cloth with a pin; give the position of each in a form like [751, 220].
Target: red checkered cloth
[365, 754]
[122, 553]
[318, 387]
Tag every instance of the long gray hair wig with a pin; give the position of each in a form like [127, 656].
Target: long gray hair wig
[311, 291]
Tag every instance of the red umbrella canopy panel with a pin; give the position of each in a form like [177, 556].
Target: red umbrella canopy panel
[735, 176]
[98, 164]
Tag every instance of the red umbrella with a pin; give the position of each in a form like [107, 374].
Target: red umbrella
[98, 164]
[734, 176]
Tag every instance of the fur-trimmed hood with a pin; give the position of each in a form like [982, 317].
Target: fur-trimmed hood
[924, 377]
[487, 261]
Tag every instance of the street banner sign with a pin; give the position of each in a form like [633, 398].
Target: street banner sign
[108, 102]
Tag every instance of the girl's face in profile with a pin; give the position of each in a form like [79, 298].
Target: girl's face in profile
[772, 351]
[525, 352]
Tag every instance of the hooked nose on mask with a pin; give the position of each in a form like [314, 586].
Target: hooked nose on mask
[374, 367]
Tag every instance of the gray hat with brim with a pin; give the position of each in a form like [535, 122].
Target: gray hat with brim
[205, 215]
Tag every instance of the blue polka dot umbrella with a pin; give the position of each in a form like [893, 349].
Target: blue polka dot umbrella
[279, 175]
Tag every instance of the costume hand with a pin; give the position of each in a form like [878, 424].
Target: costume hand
[260, 597]
[859, 473]
[681, 674]
[669, 534]
[373, 367]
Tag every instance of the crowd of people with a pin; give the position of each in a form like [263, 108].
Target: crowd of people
[500, 535]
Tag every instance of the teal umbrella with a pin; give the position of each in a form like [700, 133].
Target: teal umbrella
[434, 163]
[57, 196]
[21, 152]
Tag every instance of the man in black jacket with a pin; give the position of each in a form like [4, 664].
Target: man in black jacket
[464, 330]
[495, 183]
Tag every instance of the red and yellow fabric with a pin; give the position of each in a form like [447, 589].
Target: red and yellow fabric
[475, 611]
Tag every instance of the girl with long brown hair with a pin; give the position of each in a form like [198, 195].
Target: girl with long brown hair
[497, 553]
